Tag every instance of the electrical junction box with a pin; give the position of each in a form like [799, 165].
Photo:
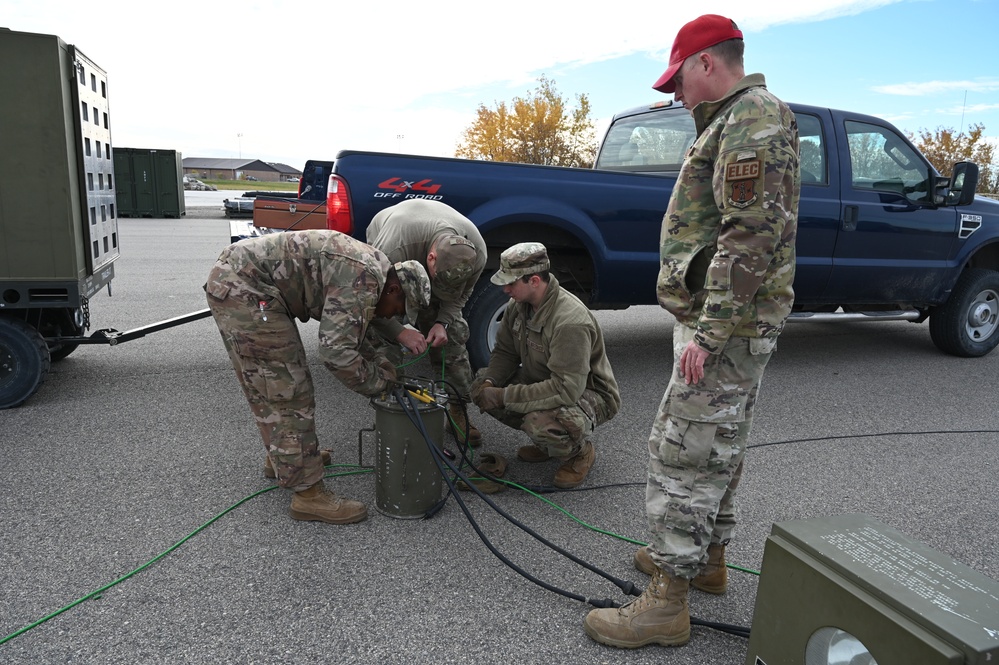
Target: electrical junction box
[848, 590]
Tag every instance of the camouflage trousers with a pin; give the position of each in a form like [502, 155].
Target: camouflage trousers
[272, 369]
[696, 452]
[450, 360]
[560, 432]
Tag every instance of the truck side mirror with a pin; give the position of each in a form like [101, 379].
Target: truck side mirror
[963, 184]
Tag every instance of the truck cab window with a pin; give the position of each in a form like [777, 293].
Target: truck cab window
[812, 151]
[882, 160]
[651, 142]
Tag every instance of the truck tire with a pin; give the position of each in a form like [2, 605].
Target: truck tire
[24, 361]
[483, 312]
[967, 325]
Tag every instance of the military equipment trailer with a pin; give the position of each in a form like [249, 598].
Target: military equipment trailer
[58, 222]
[58, 225]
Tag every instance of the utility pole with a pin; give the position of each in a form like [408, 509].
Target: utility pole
[239, 138]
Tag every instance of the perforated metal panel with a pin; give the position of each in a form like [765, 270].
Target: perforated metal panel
[90, 94]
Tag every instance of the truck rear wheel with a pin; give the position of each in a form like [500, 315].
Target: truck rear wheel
[24, 361]
[483, 312]
[967, 325]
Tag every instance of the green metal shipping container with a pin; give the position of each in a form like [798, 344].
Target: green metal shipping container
[150, 182]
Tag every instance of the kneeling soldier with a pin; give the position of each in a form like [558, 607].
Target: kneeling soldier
[549, 374]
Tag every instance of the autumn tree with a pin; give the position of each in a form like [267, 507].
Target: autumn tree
[538, 129]
[945, 147]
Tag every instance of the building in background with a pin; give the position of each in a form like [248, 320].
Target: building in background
[205, 168]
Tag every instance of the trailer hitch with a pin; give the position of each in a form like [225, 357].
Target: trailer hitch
[112, 337]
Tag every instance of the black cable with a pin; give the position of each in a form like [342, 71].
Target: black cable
[740, 631]
[412, 412]
[869, 435]
[451, 389]
[441, 460]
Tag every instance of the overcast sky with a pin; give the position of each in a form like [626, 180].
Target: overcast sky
[290, 81]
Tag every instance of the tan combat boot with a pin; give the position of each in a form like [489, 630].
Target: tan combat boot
[532, 453]
[573, 471]
[463, 425]
[659, 615]
[321, 505]
[269, 471]
[713, 579]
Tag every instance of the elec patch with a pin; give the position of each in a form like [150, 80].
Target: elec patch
[740, 181]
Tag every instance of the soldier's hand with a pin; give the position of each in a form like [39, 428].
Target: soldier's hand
[477, 387]
[490, 398]
[692, 363]
[413, 340]
[437, 335]
[386, 369]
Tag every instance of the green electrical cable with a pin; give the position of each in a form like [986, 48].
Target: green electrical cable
[98, 592]
[414, 360]
[598, 529]
[552, 503]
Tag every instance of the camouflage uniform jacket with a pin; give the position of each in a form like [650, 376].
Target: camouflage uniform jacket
[322, 275]
[559, 350]
[727, 243]
[406, 232]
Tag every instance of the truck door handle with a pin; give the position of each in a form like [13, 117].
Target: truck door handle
[850, 214]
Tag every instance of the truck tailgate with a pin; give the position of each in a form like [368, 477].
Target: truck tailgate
[298, 214]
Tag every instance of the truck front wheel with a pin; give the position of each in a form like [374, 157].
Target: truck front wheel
[24, 361]
[967, 325]
[483, 312]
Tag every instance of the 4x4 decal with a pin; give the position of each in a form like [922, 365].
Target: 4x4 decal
[399, 185]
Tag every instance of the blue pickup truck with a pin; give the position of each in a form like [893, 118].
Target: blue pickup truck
[882, 236]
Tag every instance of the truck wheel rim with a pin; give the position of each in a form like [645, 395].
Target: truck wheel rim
[494, 324]
[7, 364]
[983, 316]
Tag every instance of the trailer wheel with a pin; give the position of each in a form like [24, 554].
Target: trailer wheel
[24, 361]
[967, 325]
[483, 312]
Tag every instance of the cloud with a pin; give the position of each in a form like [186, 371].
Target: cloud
[309, 79]
[937, 87]
[971, 110]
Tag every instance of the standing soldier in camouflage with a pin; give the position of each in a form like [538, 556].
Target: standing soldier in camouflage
[549, 374]
[256, 290]
[727, 257]
[453, 252]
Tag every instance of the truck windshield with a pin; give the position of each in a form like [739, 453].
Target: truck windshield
[649, 142]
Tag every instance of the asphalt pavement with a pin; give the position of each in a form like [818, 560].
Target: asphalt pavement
[141, 461]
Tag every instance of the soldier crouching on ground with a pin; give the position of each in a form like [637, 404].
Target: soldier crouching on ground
[549, 374]
[255, 291]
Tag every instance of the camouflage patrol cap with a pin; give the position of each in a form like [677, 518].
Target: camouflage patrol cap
[415, 283]
[455, 259]
[519, 261]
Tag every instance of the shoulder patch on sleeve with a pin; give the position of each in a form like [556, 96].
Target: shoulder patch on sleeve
[741, 175]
